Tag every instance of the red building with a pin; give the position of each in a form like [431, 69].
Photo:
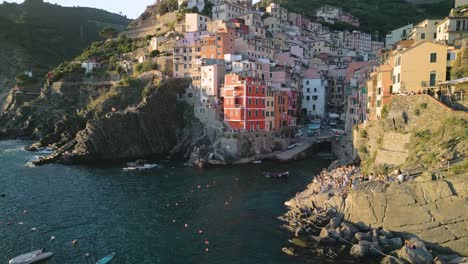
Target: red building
[244, 102]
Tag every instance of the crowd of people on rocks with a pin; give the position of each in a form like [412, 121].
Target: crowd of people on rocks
[345, 178]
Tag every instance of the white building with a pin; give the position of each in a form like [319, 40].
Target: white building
[199, 4]
[397, 35]
[89, 66]
[425, 31]
[452, 28]
[211, 78]
[328, 13]
[357, 41]
[313, 93]
[228, 10]
[195, 22]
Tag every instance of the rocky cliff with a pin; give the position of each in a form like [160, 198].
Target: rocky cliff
[415, 136]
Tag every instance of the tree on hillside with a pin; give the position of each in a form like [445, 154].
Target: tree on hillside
[166, 6]
[108, 33]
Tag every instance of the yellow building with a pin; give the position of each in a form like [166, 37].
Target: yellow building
[270, 111]
[419, 67]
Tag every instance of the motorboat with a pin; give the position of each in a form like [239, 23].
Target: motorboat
[276, 175]
[31, 257]
[139, 165]
[257, 162]
[106, 259]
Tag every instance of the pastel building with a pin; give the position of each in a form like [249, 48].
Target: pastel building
[215, 46]
[425, 31]
[228, 10]
[454, 27]
[244, 102]
[397, 35]
[211, 78]
[313, 93]
[270, 111]
[196, 22]
[421, 66]
[199, 4]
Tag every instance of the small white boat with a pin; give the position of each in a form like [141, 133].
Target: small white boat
[31, 257]
[139, 165]
[257, 162]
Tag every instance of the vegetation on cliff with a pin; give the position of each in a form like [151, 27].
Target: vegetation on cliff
[38, 36]
[434, 133]
[376, 16]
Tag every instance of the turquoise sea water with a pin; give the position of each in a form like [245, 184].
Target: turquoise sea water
[142, 216]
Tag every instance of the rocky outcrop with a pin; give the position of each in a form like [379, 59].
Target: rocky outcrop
[436, 210]
[154, 127]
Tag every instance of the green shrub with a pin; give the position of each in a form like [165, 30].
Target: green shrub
[417, 112]
[363, 133]
[423, 106]
[385, 111]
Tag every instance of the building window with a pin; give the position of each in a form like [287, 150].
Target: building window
[250, 113]
[307, 98]
[313, 108]
[256, 112]
[433, 57]
[308, 90]
[432, 79]
[423, 35]
[398, 78]
[315, 90]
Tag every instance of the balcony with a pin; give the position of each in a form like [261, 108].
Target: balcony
[429, 83]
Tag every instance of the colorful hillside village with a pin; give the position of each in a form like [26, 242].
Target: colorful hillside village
[270, 69]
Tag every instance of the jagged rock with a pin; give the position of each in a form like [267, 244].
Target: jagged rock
[363, 236]
[299, 231]
[391, 244]
[289, 251]
[359, 250]
[335, 222]
[300, 243]
[391, 260]
[417, 255]
[459, 260]
[324, 233]
[385, 233]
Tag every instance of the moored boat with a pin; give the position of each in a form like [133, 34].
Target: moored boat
[106, 259]
[276, 175]
[31, 257]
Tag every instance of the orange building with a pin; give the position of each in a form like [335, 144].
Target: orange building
[244, 102]
[281, 110]
[215, 46]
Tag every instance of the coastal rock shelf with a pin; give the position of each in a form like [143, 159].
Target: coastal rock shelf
[436, 210]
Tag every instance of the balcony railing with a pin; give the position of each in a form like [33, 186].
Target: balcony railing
[428, 83]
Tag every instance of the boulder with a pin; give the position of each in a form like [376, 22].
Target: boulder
[299, 231]
[391, 260]
[335, 222]
[391, 244]
[418, 255]
[300, 243]
[359, 250]
[459, 260]
[363, 236]
[289, 251]
[324, 233]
